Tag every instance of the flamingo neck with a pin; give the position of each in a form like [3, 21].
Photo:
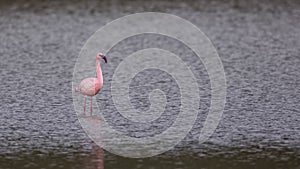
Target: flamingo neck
[99, 72]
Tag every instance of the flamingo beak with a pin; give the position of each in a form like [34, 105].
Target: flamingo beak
[104, 58]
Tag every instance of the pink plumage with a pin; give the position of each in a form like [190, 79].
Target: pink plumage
[91, 86]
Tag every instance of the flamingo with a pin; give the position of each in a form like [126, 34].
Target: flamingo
[91, 86]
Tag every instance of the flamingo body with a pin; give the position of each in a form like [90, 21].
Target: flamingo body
[91, 86]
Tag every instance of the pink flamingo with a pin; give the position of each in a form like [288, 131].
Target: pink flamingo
[91, 86]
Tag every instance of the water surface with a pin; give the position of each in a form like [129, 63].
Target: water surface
[258, 43]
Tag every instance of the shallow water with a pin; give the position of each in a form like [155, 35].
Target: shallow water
[235, 158]
[258, 43]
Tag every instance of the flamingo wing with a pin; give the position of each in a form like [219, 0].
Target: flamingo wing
[89, 86]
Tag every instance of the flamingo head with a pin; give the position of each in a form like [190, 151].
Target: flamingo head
[101, 56]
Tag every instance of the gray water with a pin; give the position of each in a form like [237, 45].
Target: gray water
[258, 43]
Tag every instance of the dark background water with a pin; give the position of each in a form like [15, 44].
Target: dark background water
[258, 43]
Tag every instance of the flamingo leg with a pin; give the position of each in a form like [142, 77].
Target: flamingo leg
[84, 104]
[91, 106]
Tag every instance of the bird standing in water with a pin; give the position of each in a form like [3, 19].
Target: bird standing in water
[91, 86]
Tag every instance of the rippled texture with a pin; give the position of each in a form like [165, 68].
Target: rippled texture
[258, 43]
[235, 158]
